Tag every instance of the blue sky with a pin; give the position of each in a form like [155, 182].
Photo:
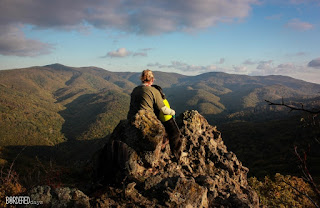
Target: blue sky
[253, 37]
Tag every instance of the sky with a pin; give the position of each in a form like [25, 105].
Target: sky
[251, 37]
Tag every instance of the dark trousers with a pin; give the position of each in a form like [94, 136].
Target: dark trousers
[174, 135]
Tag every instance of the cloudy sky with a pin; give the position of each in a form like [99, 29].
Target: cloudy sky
[253, 37]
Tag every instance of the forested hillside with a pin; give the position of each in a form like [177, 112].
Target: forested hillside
[56, 104]
[47, 105]
[50, 104]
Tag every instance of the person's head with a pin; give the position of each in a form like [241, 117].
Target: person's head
[160, 90]
[147, 77]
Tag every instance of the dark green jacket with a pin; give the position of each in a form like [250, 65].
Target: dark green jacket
[145, 98]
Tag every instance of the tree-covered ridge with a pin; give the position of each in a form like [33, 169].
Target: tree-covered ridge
[50, 104]
[64, 112]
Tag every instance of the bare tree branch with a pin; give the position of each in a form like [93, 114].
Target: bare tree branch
[300, 192]
[11, 166]
[306, 175]
[305, 171]
[293, 108]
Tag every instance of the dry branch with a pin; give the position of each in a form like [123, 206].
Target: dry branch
[293, 108]
[300, 192]
[305, 171]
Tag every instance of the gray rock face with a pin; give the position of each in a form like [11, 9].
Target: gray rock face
[206, 175]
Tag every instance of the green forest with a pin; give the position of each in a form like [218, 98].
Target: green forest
[54, 118]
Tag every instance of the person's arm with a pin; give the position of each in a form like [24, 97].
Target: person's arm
[167, 111]
[160, 105]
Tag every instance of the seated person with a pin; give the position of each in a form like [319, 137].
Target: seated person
[145, 97]
[170, 125]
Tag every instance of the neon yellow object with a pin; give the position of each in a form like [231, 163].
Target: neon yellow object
[163, 117]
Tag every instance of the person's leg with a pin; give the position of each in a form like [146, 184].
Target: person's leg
[174, 135]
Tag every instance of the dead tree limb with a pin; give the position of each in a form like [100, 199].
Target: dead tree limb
[11, 166]
[302, 159]
[305, 171]
[300, 192]
[293, 108]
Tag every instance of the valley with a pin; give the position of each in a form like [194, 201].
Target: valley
[61, 112]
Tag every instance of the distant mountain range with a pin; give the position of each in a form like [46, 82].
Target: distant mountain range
[51, 104]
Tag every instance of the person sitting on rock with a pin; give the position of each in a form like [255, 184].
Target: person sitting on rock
[145, 97]
[171, 126]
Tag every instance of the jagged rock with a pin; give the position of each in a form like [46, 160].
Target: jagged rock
[134, 150]
[187, 193]
[137, 169]
[141, 170]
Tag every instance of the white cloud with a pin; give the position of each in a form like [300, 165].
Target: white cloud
[121, 52]
[265, 65]
[297, 24]
[249, 62]
[184, 67]
[286, 66]
[14, 43]
[157, 65]
[296, 54]
[263, 68]
[315, 63]
[221, 61]
[241, 69]
[147, 49]
[129, 16]
[139, 54]
[151, 17]
[303, 1]
[268, 68]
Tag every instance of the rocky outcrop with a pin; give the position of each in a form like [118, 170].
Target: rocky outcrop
[139, 170]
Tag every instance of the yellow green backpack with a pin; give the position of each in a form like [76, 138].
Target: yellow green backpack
[163, 117]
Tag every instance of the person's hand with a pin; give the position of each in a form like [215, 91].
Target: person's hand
[173, 112]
